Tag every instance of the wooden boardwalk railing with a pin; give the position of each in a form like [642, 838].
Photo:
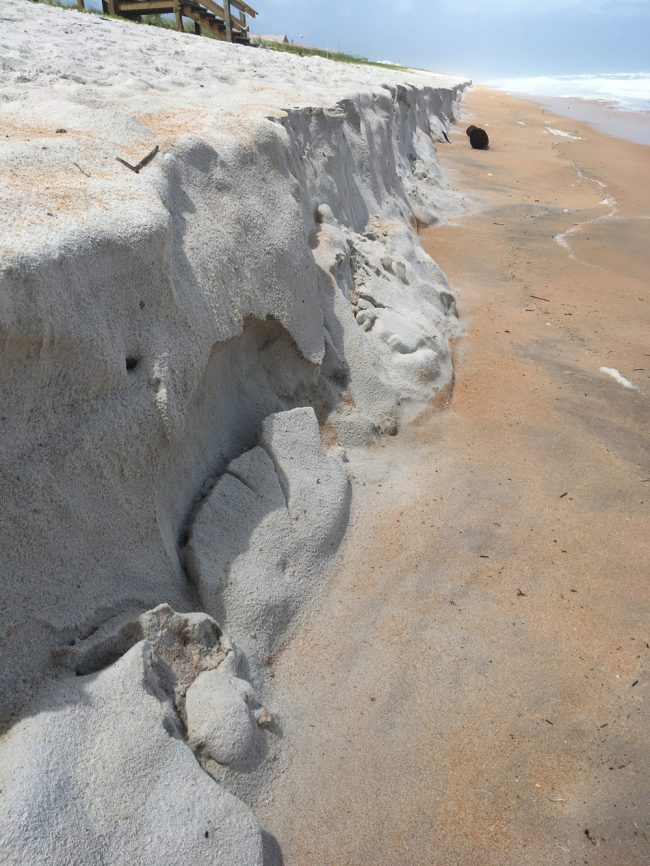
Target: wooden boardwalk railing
[227, 22]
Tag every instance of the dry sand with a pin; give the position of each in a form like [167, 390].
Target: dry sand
[471, 689]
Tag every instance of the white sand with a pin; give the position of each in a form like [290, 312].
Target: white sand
[168, 339]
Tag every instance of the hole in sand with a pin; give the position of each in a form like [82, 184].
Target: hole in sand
[131, 363]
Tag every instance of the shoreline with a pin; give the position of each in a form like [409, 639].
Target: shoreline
[602, 115]
[471, 678]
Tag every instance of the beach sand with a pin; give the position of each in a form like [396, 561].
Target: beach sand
[470, 690]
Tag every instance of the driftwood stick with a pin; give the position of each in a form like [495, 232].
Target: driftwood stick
[81, 169]
[142, 163]
[147, 159]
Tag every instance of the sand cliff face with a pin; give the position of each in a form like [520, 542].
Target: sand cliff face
[169, 339]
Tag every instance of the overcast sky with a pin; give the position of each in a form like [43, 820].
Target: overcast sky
[478, 38]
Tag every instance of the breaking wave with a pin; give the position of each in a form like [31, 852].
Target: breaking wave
[629, 91]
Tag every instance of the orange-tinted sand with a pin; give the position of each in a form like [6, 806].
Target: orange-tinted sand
[470, 690]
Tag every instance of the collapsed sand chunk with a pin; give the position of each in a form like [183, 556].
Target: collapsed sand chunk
[324, 214]
[400, 301]
[99, 772]
[219, 722]
[187, 643]
[261, 536]
[315, 484]
[215, 710]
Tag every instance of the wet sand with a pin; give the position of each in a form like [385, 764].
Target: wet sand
[470, 689]
[604, 116]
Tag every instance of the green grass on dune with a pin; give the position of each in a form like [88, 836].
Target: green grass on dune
[170, 24]
[336, 56]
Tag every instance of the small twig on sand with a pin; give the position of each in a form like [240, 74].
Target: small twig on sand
[561, 847]
[147, 158]
[557, 799]
[81, 169]
[537, 298]
[142, 163]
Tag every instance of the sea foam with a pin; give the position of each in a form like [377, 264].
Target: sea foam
[614, 373]
[628, 91]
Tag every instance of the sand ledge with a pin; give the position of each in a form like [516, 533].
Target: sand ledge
[168, 339]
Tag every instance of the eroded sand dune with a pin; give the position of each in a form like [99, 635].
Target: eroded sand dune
[169, 339]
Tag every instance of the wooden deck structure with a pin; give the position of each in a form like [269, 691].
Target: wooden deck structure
[226, 20]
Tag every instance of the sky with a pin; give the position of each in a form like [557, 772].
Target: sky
[481, 39]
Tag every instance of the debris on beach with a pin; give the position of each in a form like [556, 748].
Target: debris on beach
[478, 138]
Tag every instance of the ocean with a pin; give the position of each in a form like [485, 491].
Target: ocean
[629, 91]
[617, 104]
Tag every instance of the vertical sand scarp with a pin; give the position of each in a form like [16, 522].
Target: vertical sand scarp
[169, 342]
